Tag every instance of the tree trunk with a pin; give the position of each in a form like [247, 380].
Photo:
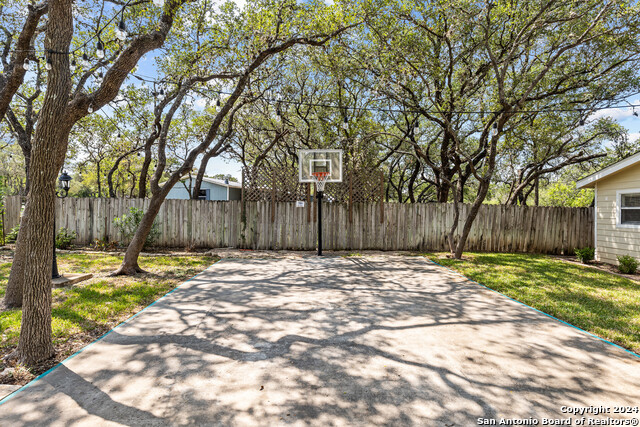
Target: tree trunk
[49, 147]
[457, 199]
[114, 168]
[130, 262]
[98, 178]
[110, 187]
[443, 192]
[412, 181]
[26, 152]
[203, 165]
[481, 195]
[142, 182]
[27, 170]
[15, 286]
[451, 235]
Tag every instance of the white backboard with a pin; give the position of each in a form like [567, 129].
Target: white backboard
[325, 160]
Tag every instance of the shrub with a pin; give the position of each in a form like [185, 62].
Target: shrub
[104, 244]
[65, 238]
[585, 254]
[12, 235]
[127, 224]
[627, 264]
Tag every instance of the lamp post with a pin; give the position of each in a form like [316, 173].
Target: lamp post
[63, 182]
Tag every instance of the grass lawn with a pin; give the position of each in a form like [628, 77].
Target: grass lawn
[88, 310]
[596, 301]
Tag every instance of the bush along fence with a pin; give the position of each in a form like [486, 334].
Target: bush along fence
[283, 225]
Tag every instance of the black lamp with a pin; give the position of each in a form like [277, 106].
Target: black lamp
[63, 182]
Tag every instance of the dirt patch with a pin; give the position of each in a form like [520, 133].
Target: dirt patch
[13, 373]
[167, 274]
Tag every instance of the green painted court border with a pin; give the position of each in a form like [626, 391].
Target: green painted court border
[8, 397]
[30, 383]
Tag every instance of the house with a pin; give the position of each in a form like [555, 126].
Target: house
[210, 189]
[617, 209]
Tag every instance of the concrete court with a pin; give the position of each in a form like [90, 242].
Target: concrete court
[380, 340]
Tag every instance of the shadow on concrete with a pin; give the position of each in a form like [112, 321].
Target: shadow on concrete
[332, 341]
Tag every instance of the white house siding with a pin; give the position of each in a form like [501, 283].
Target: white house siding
[216, 192]
[611, 239]
[178, 192]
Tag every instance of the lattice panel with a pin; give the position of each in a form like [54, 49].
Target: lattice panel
[270, 184]
[363, 186]
[281, 185]
[256, 184]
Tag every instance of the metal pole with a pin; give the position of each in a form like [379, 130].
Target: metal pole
[64, 180]
[320, 223]
[54, 271]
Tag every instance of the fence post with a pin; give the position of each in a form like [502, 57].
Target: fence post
[381, 197]
[308, 190]
[242, 194]
[350, 198]
[273, 197]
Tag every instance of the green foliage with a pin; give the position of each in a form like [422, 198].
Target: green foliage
[222, 177]
[65, 238]
[585, 254]
[12, 235]
[100, 303]
[565, 194]
[627, 264]
[127, 224]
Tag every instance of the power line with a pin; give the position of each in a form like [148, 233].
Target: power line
[121, 34]
[281, 101]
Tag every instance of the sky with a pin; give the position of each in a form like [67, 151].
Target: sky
[624, 116]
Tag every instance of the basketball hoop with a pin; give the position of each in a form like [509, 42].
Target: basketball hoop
[320, 166]
[320, 179]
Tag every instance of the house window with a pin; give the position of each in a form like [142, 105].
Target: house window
[203, 195]
[630, 208]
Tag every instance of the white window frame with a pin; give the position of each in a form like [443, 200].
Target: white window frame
[619, 194]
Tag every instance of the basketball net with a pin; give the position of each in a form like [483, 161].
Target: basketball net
[321, 180]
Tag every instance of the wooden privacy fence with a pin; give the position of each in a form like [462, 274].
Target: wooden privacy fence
[210, 224]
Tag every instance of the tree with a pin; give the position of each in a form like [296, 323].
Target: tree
[21, 120]
[37, 223]
[61, 109]
[13, 71]
[278, 29]
[474, 72]
[549, 144]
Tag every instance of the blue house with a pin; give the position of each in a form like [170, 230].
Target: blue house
[211, 189]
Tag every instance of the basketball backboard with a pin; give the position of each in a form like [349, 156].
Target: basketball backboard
[311, 161]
